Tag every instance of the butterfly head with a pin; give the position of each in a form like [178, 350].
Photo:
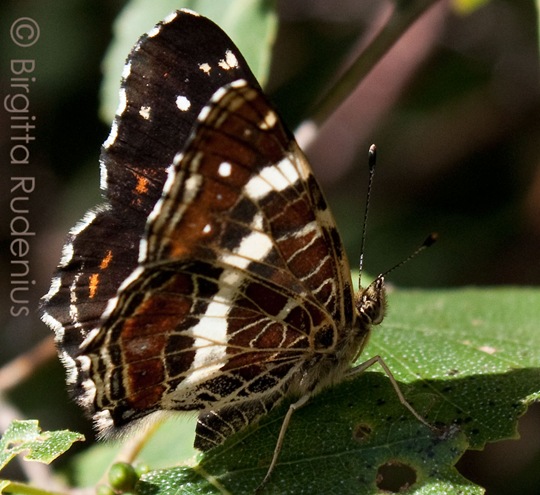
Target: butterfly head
[371, 302]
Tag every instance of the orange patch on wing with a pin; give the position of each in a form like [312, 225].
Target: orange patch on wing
[93, 284]
[105, 261]
[142, 185]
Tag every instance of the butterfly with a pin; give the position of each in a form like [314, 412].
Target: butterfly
[212, 278]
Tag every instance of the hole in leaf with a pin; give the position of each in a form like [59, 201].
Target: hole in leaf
[361, 432]
[395, 477]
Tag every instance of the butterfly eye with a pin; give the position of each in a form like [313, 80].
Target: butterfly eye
[371, 302]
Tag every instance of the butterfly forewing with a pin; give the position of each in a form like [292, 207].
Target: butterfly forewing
[169, 76]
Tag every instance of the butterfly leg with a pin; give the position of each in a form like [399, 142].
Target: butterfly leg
[279, 444]
[378, 359]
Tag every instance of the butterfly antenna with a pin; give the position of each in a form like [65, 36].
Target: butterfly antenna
[428, 242]
[372, 159]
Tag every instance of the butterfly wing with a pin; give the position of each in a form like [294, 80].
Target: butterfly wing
[169, 76]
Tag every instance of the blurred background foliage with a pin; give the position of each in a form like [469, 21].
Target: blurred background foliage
[454, 111]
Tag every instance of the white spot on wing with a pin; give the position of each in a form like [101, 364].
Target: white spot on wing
[88, 385]
[122, 104]
[257, 187]
[103, 420]
[135, 274]
[229, 62]
[204, 113]
[126, 71]
[183, 103]
[103, 176]
[171, 174]
[289, 170]
[53, 290]
[154, 31]
[73, 309]
[269, 120]
[272, 178]
[217, 97]
[177, 159]
[143, 250]
[192, 186]
[253, 247]
[210, 344]
[205, 68]
[85, 222]
[171, 17]
[210, 335]
[190, 191]
[144, 112]
[91, 335]
[239, 83]
[210, 338]
[191, 12]
[54, 324]
[112, 135]
[231, 59]
[112, 302]
[289, 306]
[257, 223]
[71, 368]
[225, 169]
[67, 255]
[230, 280]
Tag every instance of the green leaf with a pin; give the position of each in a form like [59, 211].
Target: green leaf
[467, 360]
[26, 436]
[251, 24]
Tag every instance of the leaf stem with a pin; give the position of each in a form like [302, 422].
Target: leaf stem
[402, 17]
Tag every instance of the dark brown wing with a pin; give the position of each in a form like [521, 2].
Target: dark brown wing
[170, 75]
